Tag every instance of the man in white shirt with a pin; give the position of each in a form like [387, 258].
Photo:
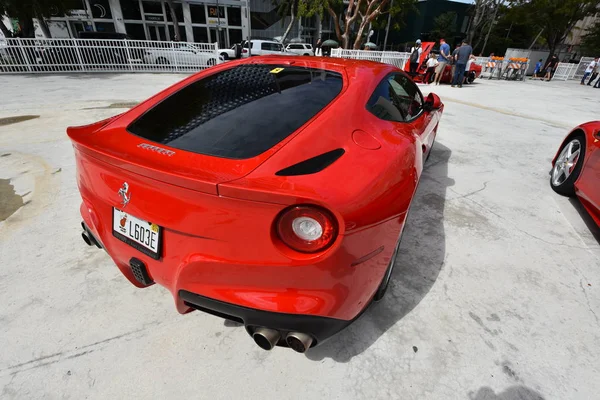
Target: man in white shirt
[415, 57]
[588, 71]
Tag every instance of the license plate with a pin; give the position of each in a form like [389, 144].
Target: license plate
[141, 235]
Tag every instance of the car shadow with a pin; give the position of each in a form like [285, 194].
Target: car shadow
[587, 219]
[420, 259]
[512, 393]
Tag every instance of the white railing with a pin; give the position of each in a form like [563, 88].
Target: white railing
[104, 55]
[395, 58]
[583, 64]
[565, 71]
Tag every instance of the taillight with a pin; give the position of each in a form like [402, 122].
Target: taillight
[244, 51]
[307, 229]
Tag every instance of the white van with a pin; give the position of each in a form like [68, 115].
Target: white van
[302, 49]
[263, 48]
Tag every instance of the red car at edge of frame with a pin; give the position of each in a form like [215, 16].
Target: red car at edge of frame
[272, 191]
[471, 74]
[576, 167]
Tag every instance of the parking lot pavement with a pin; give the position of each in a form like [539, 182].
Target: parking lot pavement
[496, 294]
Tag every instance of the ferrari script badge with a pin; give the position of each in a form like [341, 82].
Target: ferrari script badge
[125, 195]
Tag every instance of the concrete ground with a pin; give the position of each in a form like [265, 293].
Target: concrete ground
[496, 294]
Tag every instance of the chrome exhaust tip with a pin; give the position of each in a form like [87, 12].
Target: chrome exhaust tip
[266, 338]
[86, 238]
[299, 342]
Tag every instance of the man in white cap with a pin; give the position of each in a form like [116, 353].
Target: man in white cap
[415, 57]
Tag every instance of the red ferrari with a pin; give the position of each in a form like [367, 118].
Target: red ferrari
[472, 72]
[576, 167]
[271, 191]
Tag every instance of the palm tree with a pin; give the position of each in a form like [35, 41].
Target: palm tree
[285, 7]
[177, 36]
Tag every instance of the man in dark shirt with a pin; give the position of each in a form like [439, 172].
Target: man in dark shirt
[462, 57]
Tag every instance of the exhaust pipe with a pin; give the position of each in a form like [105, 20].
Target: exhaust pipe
[299, 342]
[86, 238]
[266, 338]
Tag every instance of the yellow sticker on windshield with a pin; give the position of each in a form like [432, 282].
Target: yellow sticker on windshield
[276, 70]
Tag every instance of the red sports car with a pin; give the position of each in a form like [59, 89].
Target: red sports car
[271, 191]
[576, 167]
[472, 72]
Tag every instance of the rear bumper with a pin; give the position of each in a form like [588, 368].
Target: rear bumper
[320, 328]
[325, 293]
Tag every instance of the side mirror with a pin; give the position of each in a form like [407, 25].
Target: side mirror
[432, 102]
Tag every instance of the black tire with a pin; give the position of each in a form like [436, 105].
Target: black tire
[211, 62]
[162, 60]
[471, 77]
[567, 169]
[306, 54]
[225, 56]
[385, 282]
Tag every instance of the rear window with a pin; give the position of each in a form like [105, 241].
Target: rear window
[240, 112]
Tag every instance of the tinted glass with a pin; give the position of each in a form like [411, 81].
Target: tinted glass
[198, 14]
[178, 12]
[136, 31]
[240, 112]
[151, 7]
[200, 35]
[234, 16]
[100, 9]
[265, 46]
[235, 36]
[131, 10]
[396, 98]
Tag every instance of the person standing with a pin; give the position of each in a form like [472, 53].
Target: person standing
[589, 70]
[431, 64]
[415, 57]
[453, 61]
[550, 68]
[462, 58]
[318, 49]
[538, 69]
[443, 60]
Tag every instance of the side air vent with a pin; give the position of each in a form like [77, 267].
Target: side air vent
[312, 165]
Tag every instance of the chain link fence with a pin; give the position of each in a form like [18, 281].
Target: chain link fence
[104, 55]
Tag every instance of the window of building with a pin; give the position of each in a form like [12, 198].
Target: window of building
[234, 16]
[131, 9]
[100, 9]
[178, 12]
[182, 34]
[198, 14]
[235, 36]
[105, 27]
[200, 34]
[136, 31]
[151, 7]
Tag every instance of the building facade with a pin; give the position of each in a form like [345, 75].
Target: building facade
[200, 21]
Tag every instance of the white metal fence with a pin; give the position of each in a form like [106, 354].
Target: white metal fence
[103, 55]
[565, 71]
[583, 64]
[394, 58]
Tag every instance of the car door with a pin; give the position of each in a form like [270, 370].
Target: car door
[588, 184]
[412, 105]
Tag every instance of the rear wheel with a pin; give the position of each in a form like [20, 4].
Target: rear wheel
[568, 166]
[225, 56]
[471, 77]
[306, 54]
[211, 62]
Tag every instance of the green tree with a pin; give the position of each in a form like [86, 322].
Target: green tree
[444, 25]
[25, 10]
[590, 44]
[285, 8]
[554, 18]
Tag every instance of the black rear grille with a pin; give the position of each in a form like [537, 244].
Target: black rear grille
[140, 272]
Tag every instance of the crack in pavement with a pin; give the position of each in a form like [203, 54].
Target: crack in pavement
[64, 355]
[588, 301]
